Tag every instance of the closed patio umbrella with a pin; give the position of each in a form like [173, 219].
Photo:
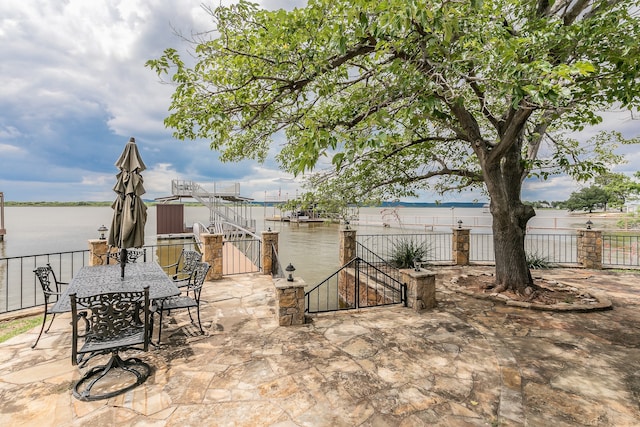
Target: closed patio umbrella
[129, 211]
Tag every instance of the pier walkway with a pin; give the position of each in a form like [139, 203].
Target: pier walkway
[469, 362]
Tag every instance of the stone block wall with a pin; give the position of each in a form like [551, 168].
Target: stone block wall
[590, 248]
[97, 251]
[461, 246]
[421, 288]
[212, 253]
[269, 240]
[290, 301]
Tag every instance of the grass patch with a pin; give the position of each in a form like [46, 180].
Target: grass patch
[11, 328]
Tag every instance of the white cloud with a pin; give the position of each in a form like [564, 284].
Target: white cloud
[270, 182]
[9, 149]
[157, 180]
[75, 88]
[557, 188]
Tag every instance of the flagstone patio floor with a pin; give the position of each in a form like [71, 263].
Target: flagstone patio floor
[468, 362]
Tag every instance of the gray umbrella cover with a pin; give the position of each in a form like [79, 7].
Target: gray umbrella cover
[129, 211]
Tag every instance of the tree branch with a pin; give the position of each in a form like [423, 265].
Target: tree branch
[473, 177]
[514, 125]
[483, 103]
[418, 142]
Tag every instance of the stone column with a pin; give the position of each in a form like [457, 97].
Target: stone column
[98, 251]
[290, 300]
[461, 245]
[347, 245]
[347, 252]
[421, 288]
[590, 248]
[269, 240]
[212, 253]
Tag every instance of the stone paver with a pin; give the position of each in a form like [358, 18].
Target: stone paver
[468, 362]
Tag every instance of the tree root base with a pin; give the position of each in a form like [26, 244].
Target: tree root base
[541, 295]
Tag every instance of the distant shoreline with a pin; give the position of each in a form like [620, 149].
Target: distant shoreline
[254, 203]
[54, 204]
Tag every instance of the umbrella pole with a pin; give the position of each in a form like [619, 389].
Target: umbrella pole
[123, 261]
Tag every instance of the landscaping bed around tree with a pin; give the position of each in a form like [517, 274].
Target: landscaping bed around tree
[549, 295]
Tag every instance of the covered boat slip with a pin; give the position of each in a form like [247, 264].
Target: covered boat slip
[225, 204]
[229, 214]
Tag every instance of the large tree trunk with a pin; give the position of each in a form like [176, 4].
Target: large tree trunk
[509, 229]
[503, 178]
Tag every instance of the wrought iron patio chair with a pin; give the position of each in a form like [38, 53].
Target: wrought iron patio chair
[112, 323]
[132, 255]
[183, 268]
[51, 287]
[189, 298]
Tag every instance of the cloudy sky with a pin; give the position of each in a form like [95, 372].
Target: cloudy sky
[75, 88]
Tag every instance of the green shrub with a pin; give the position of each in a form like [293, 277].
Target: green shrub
[406, 250]
[537, 261]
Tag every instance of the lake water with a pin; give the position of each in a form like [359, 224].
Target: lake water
[311, 248]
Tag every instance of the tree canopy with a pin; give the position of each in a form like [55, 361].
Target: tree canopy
[588, 199]
[619, 187]
[405, 95]
[417, 87]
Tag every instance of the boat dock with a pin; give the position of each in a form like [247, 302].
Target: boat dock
[298, 219]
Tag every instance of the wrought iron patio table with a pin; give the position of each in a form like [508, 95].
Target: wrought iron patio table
[100, 279]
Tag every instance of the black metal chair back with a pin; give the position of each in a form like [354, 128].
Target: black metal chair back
[191, 259]
[183, 268]
[113, 322]
[199, 276]
[51, 289]
[190, 297]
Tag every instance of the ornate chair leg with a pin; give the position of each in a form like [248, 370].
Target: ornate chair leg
[40, 334]
[160, 326]
[53, 317]
[199, 322]
[44, 321]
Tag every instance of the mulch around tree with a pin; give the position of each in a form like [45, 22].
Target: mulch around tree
[549, 295]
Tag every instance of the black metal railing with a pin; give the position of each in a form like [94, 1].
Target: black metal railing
[554, 248]
[19, 288]
[357, 284]
[167, 253]
[277, 272]
[621, 249]
[372, 258]
[437, 247]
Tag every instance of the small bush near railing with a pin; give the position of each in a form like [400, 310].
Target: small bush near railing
[406, 251]
[537, 261]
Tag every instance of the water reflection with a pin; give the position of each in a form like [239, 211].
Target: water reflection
[311, 248]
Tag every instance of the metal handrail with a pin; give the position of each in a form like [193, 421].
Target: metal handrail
[276, 267]
[331, 297]
[367, 254]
